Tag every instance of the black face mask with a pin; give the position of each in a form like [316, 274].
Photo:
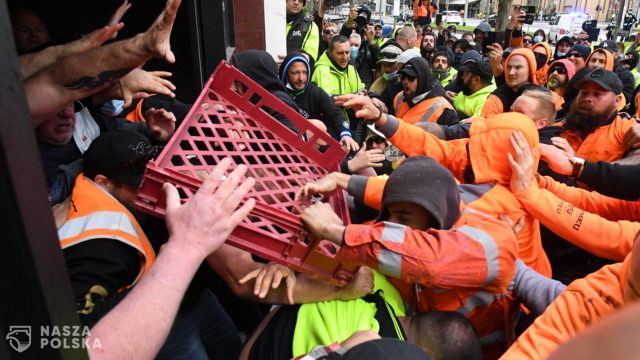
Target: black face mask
[541, 59]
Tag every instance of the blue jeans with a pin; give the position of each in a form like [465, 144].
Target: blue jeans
[202, 331]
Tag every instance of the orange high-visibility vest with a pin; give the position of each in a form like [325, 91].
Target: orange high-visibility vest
[426, 110]
[95, 214]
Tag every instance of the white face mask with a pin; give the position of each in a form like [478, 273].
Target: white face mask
[389, 77]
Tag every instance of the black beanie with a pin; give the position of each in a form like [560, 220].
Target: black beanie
[423, 181]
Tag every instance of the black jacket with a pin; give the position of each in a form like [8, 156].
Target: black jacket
[313, 102]
[615, 180]
[261, 68]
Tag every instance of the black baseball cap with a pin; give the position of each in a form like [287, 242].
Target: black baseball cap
[609, 45]
[408, 69]
[608, 80]
[481, 68]
[119, 155]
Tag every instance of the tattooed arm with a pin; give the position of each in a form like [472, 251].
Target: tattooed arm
[82, 75]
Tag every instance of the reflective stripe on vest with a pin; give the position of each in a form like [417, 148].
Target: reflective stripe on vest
[93, 226]
[432, 110]
[95, 214]
[435, 107]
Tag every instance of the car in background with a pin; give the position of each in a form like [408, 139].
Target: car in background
[566, 24]
[451, 17]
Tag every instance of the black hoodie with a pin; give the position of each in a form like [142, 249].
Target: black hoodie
[260, 67]
[423, 181]
[313, 102]
[433, 89]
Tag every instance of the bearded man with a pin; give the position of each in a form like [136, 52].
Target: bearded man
[594, 130]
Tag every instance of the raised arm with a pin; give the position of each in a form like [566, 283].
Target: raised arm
[82, 75]
[444, 259]
[138, 326]
[601, 237]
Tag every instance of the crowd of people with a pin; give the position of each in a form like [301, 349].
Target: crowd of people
[492, 200]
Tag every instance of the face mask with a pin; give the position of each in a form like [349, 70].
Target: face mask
[354, 55]
[561, 54]
[390, 77]
[537, 38]
[541, 59]
[112, 107]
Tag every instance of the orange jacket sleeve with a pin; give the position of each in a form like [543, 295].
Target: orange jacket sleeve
[601, 237]
[373, 192]
[412, 140]
[516, 41]
[584, 303]
[592, 201]
[493, 106]
[479, 252]
[368, 189]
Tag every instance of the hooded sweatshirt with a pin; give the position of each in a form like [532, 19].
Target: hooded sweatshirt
[558, 99]
[481, 159]
[314, 103]
[447, 266]
[541, 73]
[502, 98]
[429, 103]
[609, 62]
[628, 81]
[260, 67]
[633, 67]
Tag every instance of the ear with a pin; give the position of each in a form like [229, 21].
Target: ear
[104, 182]
[542, 123]
[617, 100]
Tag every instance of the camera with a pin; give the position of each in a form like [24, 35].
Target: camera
[363, 18]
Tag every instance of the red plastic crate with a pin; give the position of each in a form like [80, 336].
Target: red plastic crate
[223, 123]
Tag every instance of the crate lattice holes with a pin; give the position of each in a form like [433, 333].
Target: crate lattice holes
[225, 122]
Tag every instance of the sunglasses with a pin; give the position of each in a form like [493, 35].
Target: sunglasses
[527, 41]
[404, 76]
[327, 32]
[559, 69]
[575, 55]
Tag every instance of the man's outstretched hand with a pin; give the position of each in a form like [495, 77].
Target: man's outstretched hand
[155, 41]
[204, 222]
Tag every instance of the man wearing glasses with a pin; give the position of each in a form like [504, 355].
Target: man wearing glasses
[330, 30]
[578, 56]
[560, 72]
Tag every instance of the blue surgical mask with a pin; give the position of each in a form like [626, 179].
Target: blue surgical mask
[390, 77]
[537, 38]
[561, 54]
[112, 107]
[354, 55]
